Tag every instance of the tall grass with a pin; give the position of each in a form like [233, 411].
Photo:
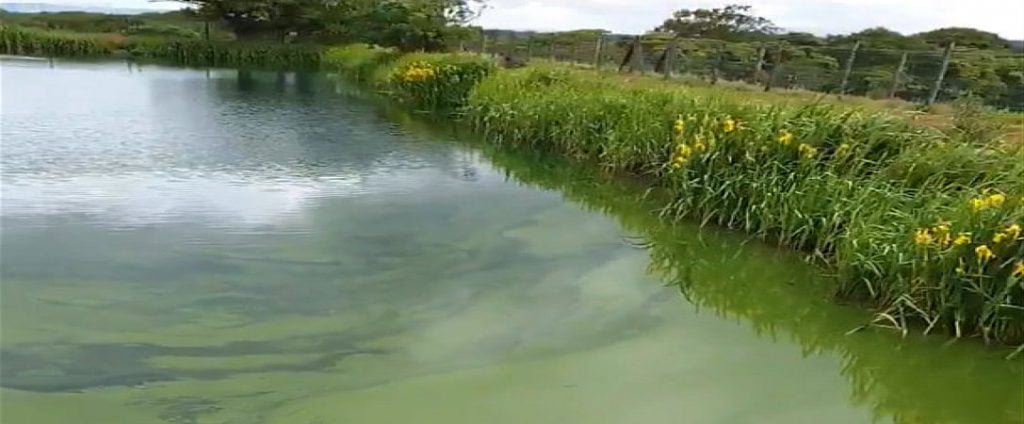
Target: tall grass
[870, 196]
[191, 52]
[429, 81]
[359, 61]
[919, 223]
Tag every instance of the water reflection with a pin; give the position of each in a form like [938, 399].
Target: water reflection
[231, 246]
[912, 380]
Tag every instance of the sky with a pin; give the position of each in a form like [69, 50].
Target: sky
[1004, 17]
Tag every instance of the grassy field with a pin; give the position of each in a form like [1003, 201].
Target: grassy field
[923, 225]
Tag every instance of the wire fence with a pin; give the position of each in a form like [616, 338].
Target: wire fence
[914, 75]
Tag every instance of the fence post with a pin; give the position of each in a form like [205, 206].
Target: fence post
[483, 44]
[716, 66]
[670, 58]
[597, 51]
[897, 76]
[942, 73]
[849, 68]
[638, 56]
[775, 69]
[759, 66]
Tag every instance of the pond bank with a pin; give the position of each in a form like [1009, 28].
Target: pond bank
[924, 227]
[259, 249]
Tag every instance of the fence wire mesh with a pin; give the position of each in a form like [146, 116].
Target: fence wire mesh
[996, 77]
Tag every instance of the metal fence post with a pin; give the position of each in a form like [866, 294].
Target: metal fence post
[849, 68]
[942, 73]
[897, 76]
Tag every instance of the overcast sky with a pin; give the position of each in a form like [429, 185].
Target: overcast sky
[1005, 17]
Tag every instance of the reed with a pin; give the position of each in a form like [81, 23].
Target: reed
[866, 194]
[36, 42]
[923, 225]
[428, 81]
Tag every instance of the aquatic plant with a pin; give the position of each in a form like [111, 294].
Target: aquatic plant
[857, 191]
[191, 52]
[424, 80]
[358, 61]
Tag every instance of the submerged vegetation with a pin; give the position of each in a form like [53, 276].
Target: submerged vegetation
[922, 224]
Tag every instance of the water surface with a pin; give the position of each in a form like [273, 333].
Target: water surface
[191, 246]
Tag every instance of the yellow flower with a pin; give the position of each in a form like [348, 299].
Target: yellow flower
[962, 239]
[699, 146]
[682, 154]
[843, 149]
[983, 253]
[785, 137]
[977, 204]
[728, 125]
[996, 200]
[418, 72]
[683, 151]
[679, 126]
[999, 237]
[922, 237]
[807, 151]
[1018, 269]
[1013, 231]
[944, 240]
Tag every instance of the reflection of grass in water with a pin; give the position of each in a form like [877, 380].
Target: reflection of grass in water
[498, 280]
[911, 380]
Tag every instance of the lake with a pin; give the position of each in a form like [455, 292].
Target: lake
[223, 246]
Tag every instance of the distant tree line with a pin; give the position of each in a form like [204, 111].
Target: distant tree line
[731, 39]
[728, 39]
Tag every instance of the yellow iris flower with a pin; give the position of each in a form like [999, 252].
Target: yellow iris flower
[983, 253]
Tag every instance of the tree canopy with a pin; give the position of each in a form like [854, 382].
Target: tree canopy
[411, 24]
[732, 22]
[964, 37]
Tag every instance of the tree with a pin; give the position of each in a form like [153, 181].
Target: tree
[880, 38]
[964, 37]
[733, 22]
[801, 39]
[405, 23]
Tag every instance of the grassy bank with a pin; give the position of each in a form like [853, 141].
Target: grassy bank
[15, 40]
[922, 225]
